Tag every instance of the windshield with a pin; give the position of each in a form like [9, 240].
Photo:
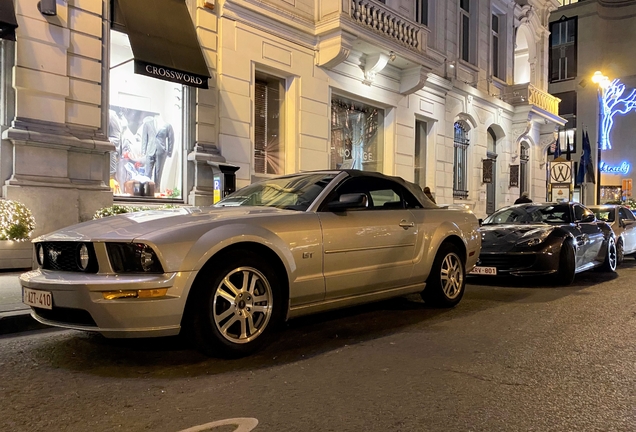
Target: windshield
[293, 192]
[543, 213]
[606, 215]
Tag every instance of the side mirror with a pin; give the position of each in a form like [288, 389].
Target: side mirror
[588, 218]
[481, 221]
[628, 222]
[348, 202]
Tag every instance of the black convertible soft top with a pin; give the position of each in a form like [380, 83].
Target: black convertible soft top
[411, 187]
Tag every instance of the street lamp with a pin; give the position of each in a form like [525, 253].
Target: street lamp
[602, 82]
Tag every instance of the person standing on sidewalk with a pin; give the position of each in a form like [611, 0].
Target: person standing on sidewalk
[427, 192]
[523, 199]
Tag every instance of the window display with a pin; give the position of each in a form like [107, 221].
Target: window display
[145, 125]
[356, 135]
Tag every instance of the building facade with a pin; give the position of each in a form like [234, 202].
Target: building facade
[152, 100]
[590, 36]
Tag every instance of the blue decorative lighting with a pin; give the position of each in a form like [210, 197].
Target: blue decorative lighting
[623, 168]
[613, 103]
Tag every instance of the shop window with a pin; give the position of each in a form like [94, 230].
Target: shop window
[563, 60]
[460, 168]
[356, 135]
[146, 127]
[268, 143]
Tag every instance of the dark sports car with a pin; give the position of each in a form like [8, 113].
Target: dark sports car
[548, 238]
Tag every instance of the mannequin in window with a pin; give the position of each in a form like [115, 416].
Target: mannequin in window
[157, 142]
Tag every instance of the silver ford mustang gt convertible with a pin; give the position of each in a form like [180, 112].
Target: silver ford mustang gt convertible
[226, 275]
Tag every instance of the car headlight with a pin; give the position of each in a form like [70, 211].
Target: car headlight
[83, 258]
[533, 238]
[39, 253]
[133, 258]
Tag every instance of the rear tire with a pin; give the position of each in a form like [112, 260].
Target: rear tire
[234, 306]
[446, 284]
[620, 252]
[609, 265]
[567, 264]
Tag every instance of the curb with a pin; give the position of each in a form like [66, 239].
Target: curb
[19, 321]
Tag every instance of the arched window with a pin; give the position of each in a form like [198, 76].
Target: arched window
[460, 169]
[524, 157]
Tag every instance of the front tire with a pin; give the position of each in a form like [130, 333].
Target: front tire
[446, 284]
[609, 265]
[567, 264]
[235, 306]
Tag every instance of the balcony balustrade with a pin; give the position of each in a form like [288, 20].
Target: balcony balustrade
[527, 94]
[381, 19]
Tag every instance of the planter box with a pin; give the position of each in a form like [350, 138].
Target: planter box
[15, 255]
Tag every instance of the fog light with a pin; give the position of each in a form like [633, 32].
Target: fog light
[145, 293]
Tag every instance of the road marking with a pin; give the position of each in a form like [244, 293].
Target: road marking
[242, 425]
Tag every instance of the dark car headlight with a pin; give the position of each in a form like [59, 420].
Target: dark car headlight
[133, 258]
[530, 242]
[533, 238]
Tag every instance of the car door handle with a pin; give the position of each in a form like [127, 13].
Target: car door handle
[406, 225]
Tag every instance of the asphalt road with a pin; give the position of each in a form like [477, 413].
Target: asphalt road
[515, 356]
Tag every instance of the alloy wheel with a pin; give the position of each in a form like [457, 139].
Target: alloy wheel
[611, 254]
[452, 275]
[242, 305]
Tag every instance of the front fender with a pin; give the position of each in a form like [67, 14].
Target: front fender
[226, 235]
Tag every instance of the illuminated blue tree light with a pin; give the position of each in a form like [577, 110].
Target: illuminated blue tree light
[613, 103]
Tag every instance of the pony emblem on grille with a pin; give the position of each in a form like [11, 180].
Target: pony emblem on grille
[53, 254]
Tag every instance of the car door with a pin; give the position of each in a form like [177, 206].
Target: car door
[627, 221]
[591, 237]
[368, 249]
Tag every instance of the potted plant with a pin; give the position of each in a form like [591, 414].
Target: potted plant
[16, 226]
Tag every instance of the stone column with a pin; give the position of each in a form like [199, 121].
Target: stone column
[59, 149]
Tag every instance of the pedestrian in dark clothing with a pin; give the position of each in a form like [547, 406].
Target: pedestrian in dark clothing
[523, 199]
[427, 192]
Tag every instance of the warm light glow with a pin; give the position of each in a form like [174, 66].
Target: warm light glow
[601, 80]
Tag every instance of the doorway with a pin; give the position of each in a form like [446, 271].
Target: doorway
[491, 188]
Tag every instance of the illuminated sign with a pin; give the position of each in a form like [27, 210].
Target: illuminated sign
[613, 103]
[623, 168]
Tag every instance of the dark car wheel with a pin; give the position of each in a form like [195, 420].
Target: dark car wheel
[611, 257]
[567, 264]
[235, 307]
[620, 252]
[447, 281]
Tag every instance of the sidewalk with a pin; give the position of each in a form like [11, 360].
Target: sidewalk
[15, 316]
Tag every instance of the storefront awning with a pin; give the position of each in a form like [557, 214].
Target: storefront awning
[8, 23]
[164, 41]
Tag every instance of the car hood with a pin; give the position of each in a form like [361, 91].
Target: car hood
[504, 237]
[130, 226]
